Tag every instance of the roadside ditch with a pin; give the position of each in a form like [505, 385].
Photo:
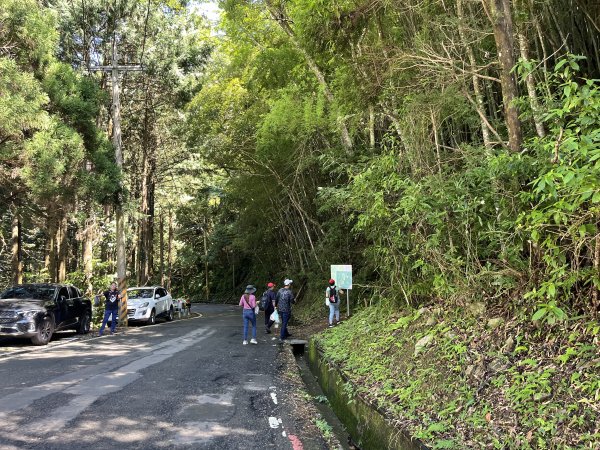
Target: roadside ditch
[355, 423]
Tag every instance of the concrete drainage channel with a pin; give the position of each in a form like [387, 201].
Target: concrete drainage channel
[354, 422]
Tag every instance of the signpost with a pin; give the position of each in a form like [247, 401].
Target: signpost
[342, 274]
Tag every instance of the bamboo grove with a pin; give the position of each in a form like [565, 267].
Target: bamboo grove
[448, 149]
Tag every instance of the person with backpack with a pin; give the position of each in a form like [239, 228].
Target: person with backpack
[268, 305]
[248, 303]
[332, 299]
[283, 303]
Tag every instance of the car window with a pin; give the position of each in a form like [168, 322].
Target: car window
[134, 293]
[63, 293]
[30, 292]
[73, 292]
[161, 292]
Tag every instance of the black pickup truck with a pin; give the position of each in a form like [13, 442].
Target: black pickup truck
[36, 311]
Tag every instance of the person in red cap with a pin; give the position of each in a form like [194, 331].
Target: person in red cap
[332, 299]
[268, 304]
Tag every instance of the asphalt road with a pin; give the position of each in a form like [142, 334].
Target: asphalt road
[184, 384]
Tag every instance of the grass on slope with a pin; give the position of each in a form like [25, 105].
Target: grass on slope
[478, 383]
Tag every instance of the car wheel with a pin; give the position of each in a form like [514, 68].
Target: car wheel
[84, 323]
[171, 315]
[152, 319]
[44, 331]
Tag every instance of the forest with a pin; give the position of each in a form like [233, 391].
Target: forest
[449, 150]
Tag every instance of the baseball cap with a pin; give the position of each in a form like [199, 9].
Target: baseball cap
[287, 282]
[331, 281]
[270, 284]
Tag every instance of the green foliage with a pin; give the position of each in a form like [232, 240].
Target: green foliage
[52, 155]
[20, 104]
[566, 192]
[30, 32]
[324, 427]
[549, 313]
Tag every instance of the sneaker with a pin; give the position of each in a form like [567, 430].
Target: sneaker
[330, 325]
[253, 341]
[245, 343]
[267, 331]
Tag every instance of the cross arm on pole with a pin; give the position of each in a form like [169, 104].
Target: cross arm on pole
[120, 68]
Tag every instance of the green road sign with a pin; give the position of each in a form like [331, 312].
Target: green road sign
[342, 274]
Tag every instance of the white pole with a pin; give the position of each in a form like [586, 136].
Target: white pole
[348, 301]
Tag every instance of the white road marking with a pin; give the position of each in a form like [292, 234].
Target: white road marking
[274, 397]
[88, 384]
[274, 422]
[65, 342]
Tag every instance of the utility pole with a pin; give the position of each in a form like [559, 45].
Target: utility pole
[115, 69]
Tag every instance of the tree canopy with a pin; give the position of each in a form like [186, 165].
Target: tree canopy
[448, 149]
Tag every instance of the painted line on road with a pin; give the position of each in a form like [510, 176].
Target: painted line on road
[88, 384]
[83, 338]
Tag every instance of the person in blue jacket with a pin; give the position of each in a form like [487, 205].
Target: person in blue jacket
[283, 302]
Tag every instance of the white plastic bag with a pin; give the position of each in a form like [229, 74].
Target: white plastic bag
[275, 317]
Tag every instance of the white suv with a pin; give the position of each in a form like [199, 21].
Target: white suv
[145, 304]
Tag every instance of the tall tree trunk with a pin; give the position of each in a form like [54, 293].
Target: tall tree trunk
[371, 126]
[17, 253]
[206, 285]
[149, 236]
[146, 238]
[51, 249]
[142, 274]
[479, 99]
[161, 230]
[62, 249]
[499, 12]
[88, 252]
[170, 252]
[531, 89]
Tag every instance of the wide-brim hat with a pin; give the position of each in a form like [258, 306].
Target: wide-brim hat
[250, 289]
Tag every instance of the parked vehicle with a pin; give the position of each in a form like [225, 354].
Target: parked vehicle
[36, 311]
[146, 304]
[182, 306]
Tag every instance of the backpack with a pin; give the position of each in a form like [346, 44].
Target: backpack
[333, 295]
[264, 300]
